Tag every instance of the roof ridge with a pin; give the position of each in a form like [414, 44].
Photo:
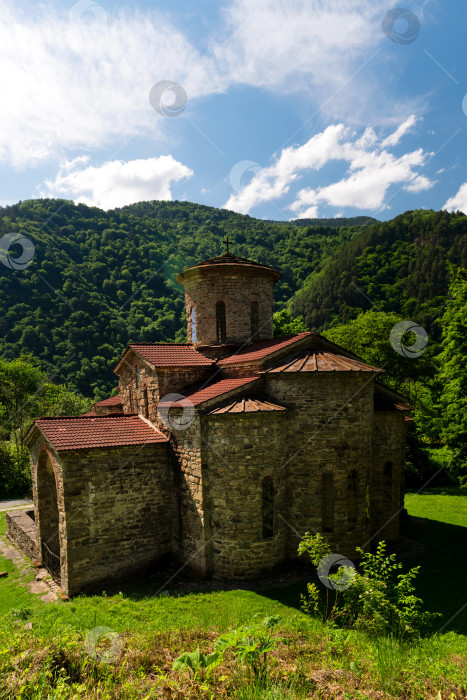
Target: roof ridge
[104, 415]
[151, 342]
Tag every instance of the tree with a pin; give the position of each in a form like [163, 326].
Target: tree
[369, 337]
[25, 393]
[453, 395]
[284, 324]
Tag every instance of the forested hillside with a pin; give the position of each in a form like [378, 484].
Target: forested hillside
[99, 280]
[338, 222]
[399, 266]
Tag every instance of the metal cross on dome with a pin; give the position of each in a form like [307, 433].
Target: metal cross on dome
[227, 243]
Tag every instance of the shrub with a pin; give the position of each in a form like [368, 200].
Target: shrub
[249, 644]
[378, 599]
[15, 471]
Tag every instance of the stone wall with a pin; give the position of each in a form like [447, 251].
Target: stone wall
[118, 512]
[21, 530]
[387, 496]
[328, 431]
[189, 513]
[237, 288]
[155, 384]
[241, 450]
[49, 503]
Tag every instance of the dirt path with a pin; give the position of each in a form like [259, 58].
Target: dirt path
[12, 504]
[42, 585]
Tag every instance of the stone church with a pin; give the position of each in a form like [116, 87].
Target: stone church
[221, 452]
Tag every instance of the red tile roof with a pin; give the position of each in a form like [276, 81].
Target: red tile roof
[84, 432]
[112, 401]
[198, 396]
[314, 361]
[169, 355]
[263, 348]
[248, 405]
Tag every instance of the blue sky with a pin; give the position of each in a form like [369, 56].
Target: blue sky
[297, 109]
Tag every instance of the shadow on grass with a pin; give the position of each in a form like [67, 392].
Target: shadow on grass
[443, 572]
[440, 584]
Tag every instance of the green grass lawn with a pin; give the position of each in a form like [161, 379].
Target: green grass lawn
[13, 595]
[51, 661]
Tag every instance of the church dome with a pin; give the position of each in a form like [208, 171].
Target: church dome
[228, 259]
[229, 300]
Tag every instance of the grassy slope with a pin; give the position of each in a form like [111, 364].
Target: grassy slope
[12, 595]
[156, 629]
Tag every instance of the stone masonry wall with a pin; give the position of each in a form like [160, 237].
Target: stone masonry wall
[189, 513]
[329, 428]
[118, 511]
[21, 529]
[237, 289]
[241, 450]
[47, 489]
[386, 499]
[158, 383]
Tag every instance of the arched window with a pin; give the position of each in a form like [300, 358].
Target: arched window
[268, 507]
[254, 317]
[220, 322]
[137, 376]
[352, 499]
[387, 481]
[327, 502]
[193, 325]
[146, 402]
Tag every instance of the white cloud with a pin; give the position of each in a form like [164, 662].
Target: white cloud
[68, 88]
[117, 183]
[326, 51]
[459, 201]
[371, 170]
[394, 138]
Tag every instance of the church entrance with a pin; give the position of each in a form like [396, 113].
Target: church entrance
[48, 516]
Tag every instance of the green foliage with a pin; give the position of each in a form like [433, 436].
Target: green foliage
[284, 324]
[25, 393]
[249, 644]
[356, 221]
[400, 266]
[452, 403]
[315, 546]
[368, 336]
[382, 600]
[197, 662]
[378, 599]
[100, 280]
[15, 471]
